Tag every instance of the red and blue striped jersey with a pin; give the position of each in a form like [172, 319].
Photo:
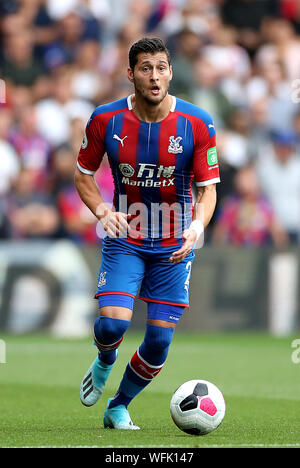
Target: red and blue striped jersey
[153, 164]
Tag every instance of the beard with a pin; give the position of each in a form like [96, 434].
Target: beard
[143, 92]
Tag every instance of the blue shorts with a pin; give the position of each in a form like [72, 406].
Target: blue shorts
[127, 269]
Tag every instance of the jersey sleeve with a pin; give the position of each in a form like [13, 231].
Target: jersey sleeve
[92, 149]
[205, 159]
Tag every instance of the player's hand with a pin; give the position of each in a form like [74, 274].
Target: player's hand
[115, 224]
[189, 238]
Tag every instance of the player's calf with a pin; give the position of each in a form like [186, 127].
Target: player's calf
[108, 335]
[145, 364]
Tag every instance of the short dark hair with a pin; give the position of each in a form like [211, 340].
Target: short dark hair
[148, 45]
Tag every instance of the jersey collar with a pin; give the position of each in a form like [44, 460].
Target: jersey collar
[129, 103]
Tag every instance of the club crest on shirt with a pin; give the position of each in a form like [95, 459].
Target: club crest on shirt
[174, 146]
[102, 279]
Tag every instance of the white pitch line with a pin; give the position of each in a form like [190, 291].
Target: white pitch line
[288, 445]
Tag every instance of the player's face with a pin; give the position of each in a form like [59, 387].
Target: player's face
[151, 77]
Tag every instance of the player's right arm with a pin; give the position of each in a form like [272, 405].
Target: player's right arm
[89, 160]
[114, 223]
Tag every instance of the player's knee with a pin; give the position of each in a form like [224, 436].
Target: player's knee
[109, 330]
[159, 338]
[156, 344]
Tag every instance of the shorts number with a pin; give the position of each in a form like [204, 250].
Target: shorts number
[187, 281]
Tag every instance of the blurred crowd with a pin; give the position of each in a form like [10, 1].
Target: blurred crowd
[237, 59]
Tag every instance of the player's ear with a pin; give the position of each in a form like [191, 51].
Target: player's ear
[130, 74]
[171, 72]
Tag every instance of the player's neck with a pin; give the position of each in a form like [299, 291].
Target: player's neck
[151, 113]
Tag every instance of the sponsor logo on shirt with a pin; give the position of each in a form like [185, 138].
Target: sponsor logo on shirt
[146, 173]
[84, 142]
[212, 157]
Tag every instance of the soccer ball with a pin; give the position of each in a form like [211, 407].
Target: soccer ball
[197, 407]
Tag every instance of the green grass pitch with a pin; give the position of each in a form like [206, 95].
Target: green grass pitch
[40, 406]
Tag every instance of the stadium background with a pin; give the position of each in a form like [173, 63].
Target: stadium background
[238, 59]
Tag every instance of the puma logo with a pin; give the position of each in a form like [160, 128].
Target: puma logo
[121, 140]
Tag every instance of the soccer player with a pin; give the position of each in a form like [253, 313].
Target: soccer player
[156, 145]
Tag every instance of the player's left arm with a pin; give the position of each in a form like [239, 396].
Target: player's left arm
[205, 204]
[204, 208]
[206, 172]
